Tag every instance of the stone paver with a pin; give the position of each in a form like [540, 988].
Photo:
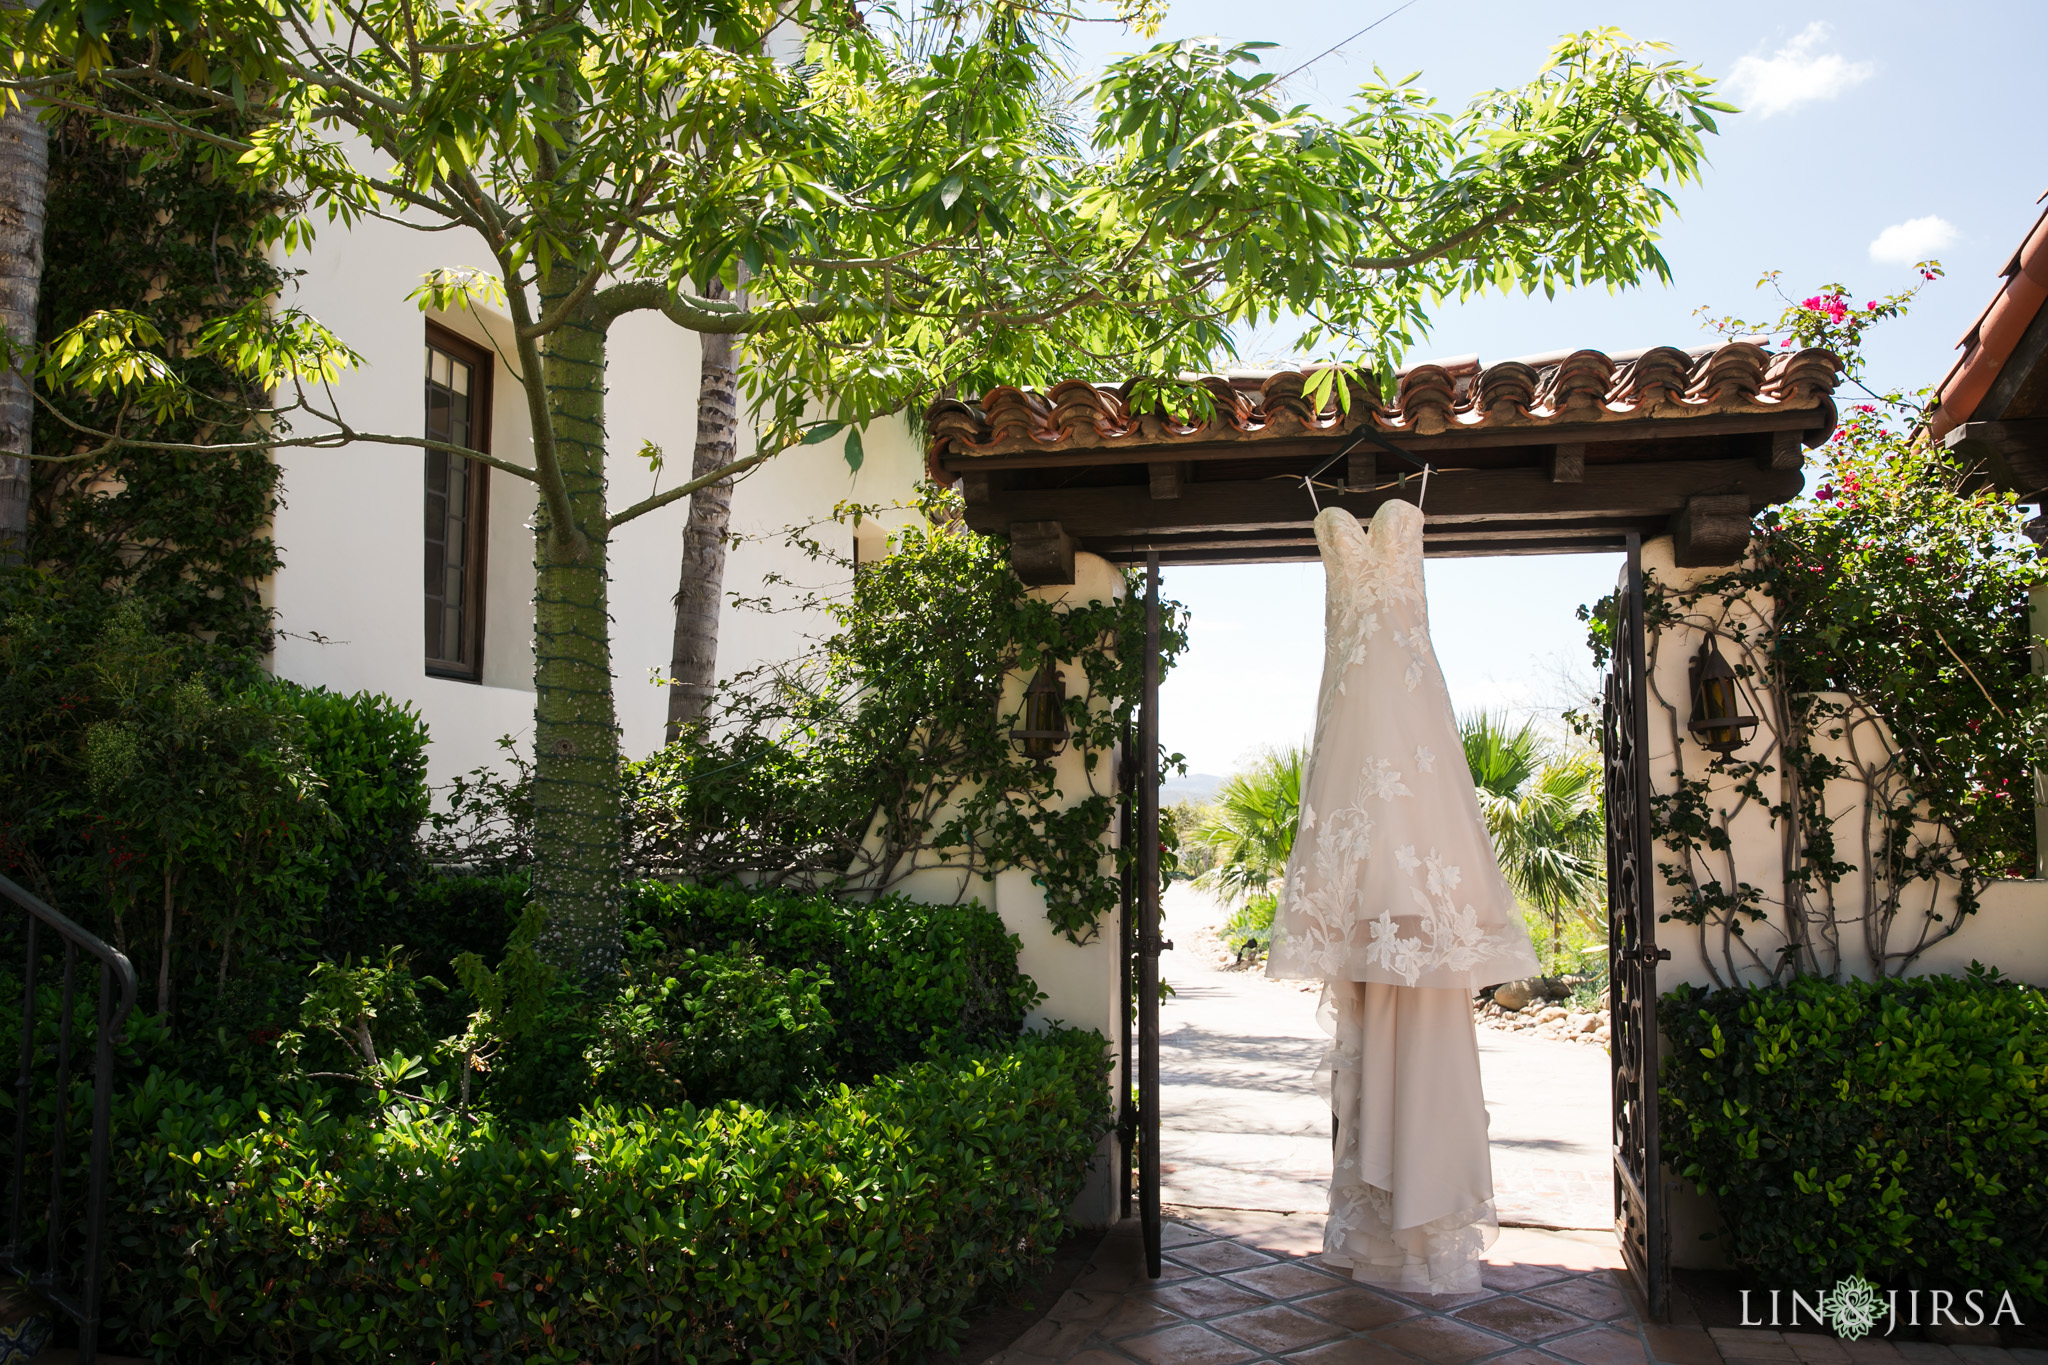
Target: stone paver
[1251, 1288]
[1764, 1346]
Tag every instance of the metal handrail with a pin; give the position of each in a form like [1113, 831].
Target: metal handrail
[80, 1298]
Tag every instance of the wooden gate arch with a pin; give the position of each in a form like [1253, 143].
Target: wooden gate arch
[1559, 453]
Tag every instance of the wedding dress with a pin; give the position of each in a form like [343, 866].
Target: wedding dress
[1394, 900]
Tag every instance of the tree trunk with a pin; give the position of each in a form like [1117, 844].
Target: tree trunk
[576, 789]
[24, 172]
[693, 661]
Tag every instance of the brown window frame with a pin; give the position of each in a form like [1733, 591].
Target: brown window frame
[476, 510]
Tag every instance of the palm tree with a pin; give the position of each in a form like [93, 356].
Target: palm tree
[24, 169]
[1542, 809]
[1250, 828]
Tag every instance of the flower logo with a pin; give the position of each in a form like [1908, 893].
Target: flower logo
[1853, 1307]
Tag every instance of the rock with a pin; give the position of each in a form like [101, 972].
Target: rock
[1586, 1023]
[1513, 995]
[1550, 1015]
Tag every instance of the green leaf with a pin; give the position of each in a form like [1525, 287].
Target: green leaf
[855, 452]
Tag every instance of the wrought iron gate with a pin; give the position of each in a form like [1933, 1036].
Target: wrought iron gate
[1632, 952]
[1143, 937]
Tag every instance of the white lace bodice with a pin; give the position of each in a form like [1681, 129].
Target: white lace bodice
[1393, 877]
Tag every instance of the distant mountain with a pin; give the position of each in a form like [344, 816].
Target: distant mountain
[1199, 788]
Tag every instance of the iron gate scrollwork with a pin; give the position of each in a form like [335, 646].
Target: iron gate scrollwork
[1632, 952]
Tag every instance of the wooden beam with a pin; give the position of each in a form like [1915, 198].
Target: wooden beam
[1042, 553]
[1534, 435]
[1644, 492]
[1711, 529]
[978, 487]
[2015, 453]
[1305, 553]
[1786, 451]
[1506, 536]
[1567, 462]
[1361, 470]
[1167, 477]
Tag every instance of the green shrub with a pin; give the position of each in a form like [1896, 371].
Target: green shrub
[705, 1027]
[858, 1231]
[1251, 924]
[905, 978]
[1894, 1129]
[370, 755]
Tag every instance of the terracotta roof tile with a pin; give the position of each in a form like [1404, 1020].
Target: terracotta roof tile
[1577, 387]
[1997, 331]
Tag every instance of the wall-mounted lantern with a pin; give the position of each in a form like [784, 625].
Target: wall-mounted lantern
[1718, 721]
[1045, 731]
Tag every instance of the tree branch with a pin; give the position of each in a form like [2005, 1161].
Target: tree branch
[661, 500]
[111, 441]
[699, 314]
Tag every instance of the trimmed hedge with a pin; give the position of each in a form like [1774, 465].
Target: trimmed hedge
[857, 1231]
[1893, 1129]
[906, 978]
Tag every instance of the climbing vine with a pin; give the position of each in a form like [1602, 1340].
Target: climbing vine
[1879, 628]
[189, 535]
[886, 752]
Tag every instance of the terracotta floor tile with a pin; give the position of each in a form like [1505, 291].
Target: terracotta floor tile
[1357, 1308]
[1207, 1298]
[1681, 1345]
[1590, 1296]
[1275, 1328]
[1870, 1351]
[1135, 1316]
[2022, 1355]
[1522, 1320]
[1097, 1357]
[1180, 1235]
[1217, 1257]
[1351, 1351]
[1188, 1344]
[1600, 1346]
[1815, 1349]
[1528, 1355]
[1925, 1352]
[1982, 1355]
[1509, 1279]
[1443, 1341]
[1747, 1334]
[1285, 1279]
[1442, 1303]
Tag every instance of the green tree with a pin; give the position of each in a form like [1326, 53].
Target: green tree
[910, 208]
[1249, 829]
[1543, 812]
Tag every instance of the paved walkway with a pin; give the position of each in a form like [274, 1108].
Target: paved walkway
[1242, 1287]
[1241, 1125]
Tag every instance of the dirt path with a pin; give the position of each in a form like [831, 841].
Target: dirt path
[1241, 1125]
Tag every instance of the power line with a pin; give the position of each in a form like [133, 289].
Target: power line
[1354, 37]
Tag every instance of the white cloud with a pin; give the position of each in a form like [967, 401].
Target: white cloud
[1916, 239]
[1795, 74]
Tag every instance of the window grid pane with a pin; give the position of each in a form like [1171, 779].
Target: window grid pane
[450, 514]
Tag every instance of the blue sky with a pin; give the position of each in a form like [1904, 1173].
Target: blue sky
[1873, 134]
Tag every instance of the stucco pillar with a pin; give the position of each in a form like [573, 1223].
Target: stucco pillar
[1080, 981]
[2037, 618]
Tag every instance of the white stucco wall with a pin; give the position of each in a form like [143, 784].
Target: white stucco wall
[2009, 931]
[349, 595]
